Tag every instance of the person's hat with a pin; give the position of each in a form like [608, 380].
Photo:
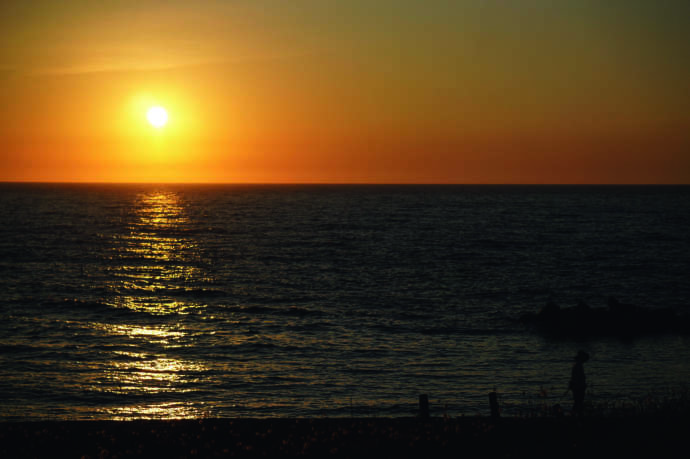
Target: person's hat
[582, 356]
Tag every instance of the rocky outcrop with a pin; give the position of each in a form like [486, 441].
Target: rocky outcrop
[618, 319]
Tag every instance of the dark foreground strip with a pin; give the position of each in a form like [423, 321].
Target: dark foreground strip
[316, 438]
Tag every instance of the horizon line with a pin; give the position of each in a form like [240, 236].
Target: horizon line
[68, 182]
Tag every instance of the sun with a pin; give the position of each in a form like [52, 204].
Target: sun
[157, 116]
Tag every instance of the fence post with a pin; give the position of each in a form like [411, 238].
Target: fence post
[493, 402]
[423, 406]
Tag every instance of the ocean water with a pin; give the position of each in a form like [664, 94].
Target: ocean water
[174, 301]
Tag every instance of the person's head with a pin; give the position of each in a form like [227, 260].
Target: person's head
[581, 356]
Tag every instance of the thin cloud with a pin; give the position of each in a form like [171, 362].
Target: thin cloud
[143, 65]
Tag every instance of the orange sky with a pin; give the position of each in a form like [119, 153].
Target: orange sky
[475, 91]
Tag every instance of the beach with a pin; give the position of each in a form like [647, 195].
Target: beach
[384, 437]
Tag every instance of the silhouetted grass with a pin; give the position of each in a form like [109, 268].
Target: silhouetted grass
[666, 402]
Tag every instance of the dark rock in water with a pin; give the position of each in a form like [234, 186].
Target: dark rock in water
[618, 319]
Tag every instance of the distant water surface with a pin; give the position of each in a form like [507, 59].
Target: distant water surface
[169, 301]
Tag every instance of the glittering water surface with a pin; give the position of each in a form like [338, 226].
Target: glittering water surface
[144, 301]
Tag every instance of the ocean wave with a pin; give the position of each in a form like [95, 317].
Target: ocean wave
[294, 311]
[193, 292]
[97, 310]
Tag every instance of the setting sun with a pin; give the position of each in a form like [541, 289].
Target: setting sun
[157, 116]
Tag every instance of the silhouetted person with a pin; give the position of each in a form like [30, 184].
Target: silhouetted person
[578, 384]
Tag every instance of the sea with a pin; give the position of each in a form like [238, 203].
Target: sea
[131, 301]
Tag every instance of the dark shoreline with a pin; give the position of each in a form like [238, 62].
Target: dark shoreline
[346, 437]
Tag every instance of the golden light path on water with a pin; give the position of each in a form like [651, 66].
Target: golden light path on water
[151, 261]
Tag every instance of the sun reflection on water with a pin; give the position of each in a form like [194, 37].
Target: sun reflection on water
[154, 261]
[154, 265]
[153, 376]
[164, 410]
[155, 334]
[161, 210]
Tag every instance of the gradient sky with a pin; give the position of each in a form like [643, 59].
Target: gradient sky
[462, 91]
